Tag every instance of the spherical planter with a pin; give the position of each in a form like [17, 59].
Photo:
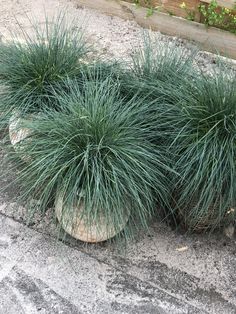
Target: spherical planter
[76, 226]
[206, 221]
[17, 133]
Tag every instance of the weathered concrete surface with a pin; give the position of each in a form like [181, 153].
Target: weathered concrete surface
[39, 274]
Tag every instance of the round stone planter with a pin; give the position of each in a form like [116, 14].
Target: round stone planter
[17, 133]
[94, 232]
[207, 221]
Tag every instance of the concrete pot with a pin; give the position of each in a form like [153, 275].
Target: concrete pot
[16, 133]
[77, 228]
[208, 220]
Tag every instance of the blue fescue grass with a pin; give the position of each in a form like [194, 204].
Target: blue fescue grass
[30, 65]
[161, 70]
[98, 149]
[203, 137]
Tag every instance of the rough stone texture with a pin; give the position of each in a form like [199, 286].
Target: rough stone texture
[163, 272]
[40, 274]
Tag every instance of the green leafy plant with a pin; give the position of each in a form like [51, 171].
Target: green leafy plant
[31, 65]
[218, 16]
[203, 132]
[97, 149]
[150, 11]
[150, 8]
[213, 15]
[190, 14]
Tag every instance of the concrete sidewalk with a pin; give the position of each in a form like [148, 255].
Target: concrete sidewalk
[41, 275]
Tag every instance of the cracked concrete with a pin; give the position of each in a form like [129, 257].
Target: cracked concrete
[40, 274]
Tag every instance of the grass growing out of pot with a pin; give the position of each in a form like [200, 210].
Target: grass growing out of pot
[161, 70]
[204, 141]
[97, 152]
[30, 65]
[106, 154]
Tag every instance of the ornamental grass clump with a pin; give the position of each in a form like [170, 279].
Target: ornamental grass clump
[96, 152]
[32, 63]
[98, 70]
[204, 141]
[161, 70]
